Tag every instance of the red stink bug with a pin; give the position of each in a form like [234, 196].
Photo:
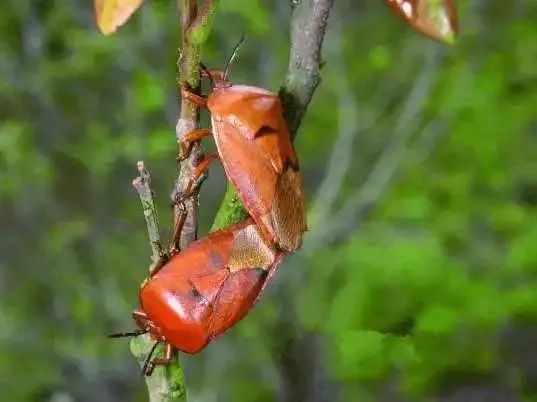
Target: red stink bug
[255, 148]
[204, 290]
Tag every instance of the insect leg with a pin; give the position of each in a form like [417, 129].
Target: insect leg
[178, 199]
[199, 173]
[189, 138]
[168, 357]
[187, 93]
[178, 225]
[158, 264]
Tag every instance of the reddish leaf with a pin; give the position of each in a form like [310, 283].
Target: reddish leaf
[434, 18]
[111, 14]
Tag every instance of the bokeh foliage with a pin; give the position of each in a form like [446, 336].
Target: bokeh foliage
[429, 289]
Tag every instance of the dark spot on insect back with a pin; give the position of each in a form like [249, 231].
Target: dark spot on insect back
[264, 130]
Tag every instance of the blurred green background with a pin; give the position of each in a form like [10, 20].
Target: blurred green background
[418, 277]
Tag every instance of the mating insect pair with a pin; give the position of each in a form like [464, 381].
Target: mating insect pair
[205, 289]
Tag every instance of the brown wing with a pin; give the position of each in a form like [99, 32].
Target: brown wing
[250, 250]
[288, 213]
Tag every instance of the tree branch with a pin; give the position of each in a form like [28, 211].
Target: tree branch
[199, 29]
[142, 185]
[308, 27]
[188, 120]
[167, 384]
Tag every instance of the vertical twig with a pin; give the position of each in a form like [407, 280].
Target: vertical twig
[166, 384]
[142, 185]
[188, 121]
[308, 26]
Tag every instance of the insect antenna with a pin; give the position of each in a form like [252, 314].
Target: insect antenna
[233, 56]
[148, 359]
[137, 332]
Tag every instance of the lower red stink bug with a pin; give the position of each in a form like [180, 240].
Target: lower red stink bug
[204, 290]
